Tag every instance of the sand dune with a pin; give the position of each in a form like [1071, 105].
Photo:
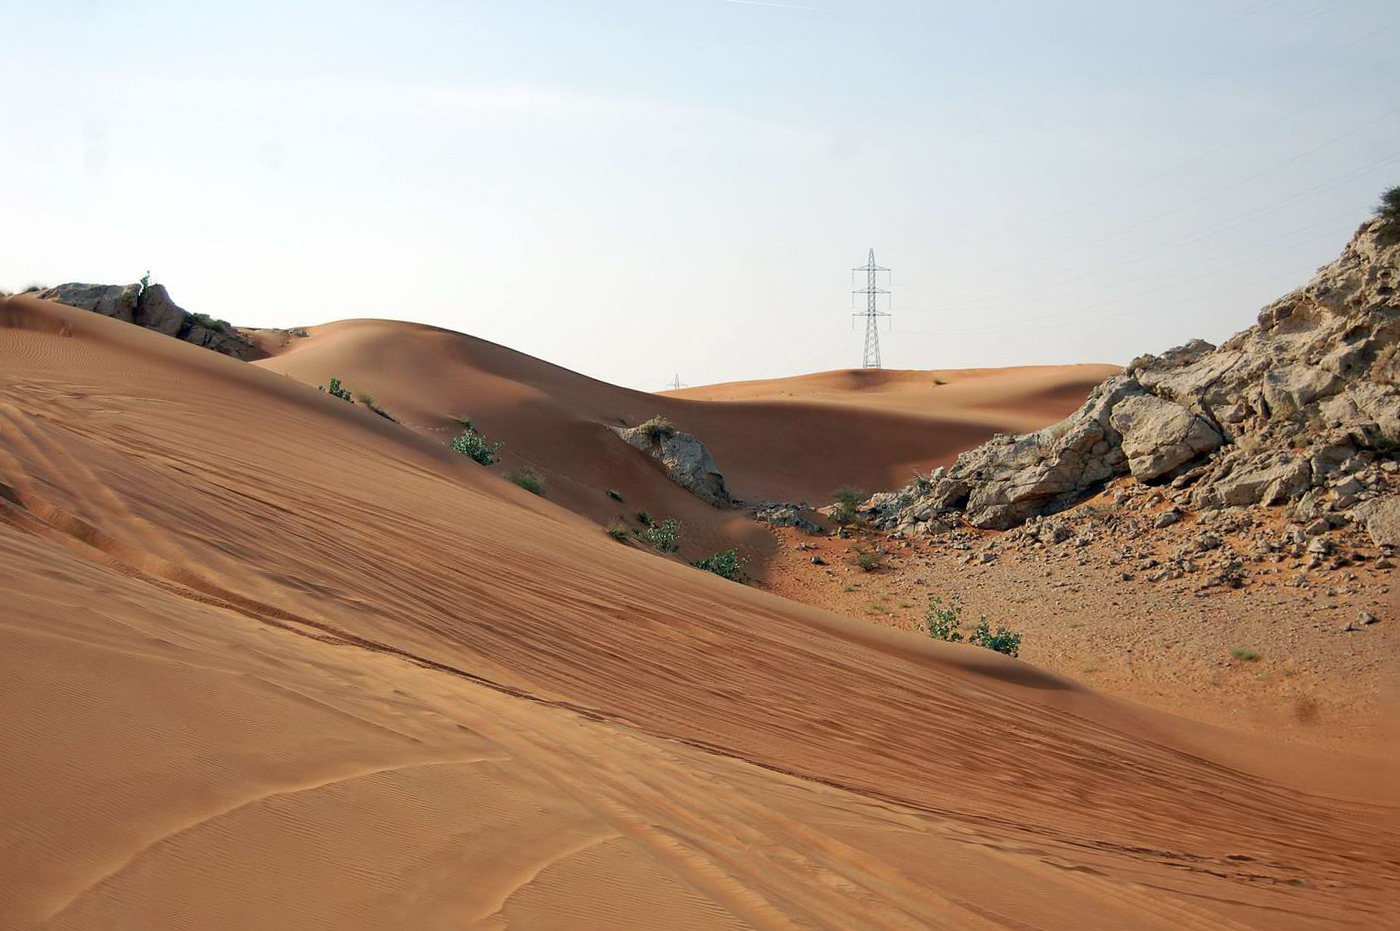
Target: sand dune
[793, 440]
[271, 661]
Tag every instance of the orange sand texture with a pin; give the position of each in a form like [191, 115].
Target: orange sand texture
[272, 661]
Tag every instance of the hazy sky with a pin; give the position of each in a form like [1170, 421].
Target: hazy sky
[636, 188]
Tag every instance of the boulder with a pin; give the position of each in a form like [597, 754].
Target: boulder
[1383, 521]
[156, 311]
[686, 460]
[1159, 436]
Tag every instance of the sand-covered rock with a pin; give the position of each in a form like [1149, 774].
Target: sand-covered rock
[685, 458]
[1286, 409]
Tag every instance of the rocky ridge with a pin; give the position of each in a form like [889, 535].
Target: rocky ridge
[150, 306]
[1299, 412]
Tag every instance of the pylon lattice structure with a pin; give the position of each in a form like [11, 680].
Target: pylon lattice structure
[872, 312]
[676, 385]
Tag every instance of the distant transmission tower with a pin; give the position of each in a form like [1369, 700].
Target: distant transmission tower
[872, 312]
[676, 385]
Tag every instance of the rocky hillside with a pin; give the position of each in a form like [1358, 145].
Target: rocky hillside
[150, 306]
[1301, 411]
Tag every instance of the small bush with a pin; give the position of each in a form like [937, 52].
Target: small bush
[615, 495]
[1240, 653]
[34, 289]
[944, 619]
[208, 322]
[727, 565]
[526, 478]
[618, 531]
[944, 622]
[466, 423]
[658, 429]
[365, 398]
[644, 518]
[477, 446]
[336, 390]
[846, 499]
[867, 560]
[923, 484]
[1389, 211]
[665, 536]
[1001, 640]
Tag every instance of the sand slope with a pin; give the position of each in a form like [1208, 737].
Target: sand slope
[271, 661]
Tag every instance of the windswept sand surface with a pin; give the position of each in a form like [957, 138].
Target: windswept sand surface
[271, 661]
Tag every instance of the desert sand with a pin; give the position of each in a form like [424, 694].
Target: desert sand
[273, 661]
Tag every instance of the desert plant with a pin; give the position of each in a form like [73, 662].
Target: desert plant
[846, 499]
[365, 398]
[34, 289]
[923, 483]
[1245, 655]
[210, 323]
[1002, 640]
[477, 446]
[527, 479]
[866, 560]
[615, 495]
[658, 429]
[644, 518]
[943, 621]
[618, 531]
[1389, 212]
[465, 422]
[944, 618]
[336, 390]
[727, 564]
[665, 536]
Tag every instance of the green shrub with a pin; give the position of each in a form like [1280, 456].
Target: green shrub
[644, 518]
[1240, 653]
[727, 565]
[1002, 640]
[944, 622]
[665, 536]
[846, 499]
[943, 619]
[615, 495]
[526, 478]
[923, 484]
[658, 429]
[466, 423]
[867, 560]
[336, 390]
[208, 322]
[618, 531]
[477, 446]
[1389, 211]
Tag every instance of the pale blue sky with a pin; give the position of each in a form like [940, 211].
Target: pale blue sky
[633, 189]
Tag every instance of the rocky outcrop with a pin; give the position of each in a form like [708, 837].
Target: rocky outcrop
[686, 460]
[1291, 412]
[788, 515]
[152, 308]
